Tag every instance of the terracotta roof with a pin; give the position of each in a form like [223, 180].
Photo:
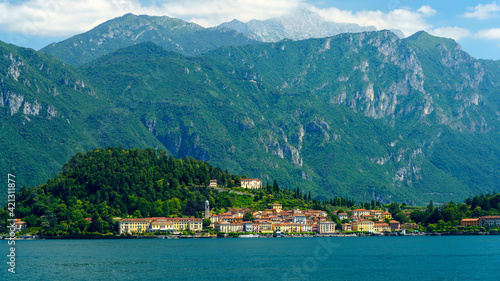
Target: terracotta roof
[136, 220]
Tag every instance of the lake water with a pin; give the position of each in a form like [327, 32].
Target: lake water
[334, 258]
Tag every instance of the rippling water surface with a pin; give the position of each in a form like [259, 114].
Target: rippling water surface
[336, 258]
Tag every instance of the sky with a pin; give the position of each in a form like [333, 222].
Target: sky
[473, 24]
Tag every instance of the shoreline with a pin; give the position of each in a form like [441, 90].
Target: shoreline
[260, 236]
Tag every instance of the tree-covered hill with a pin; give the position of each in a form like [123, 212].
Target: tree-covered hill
[116, 182]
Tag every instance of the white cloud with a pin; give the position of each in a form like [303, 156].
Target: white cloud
[63, 18]
[215, 12]
[491, 34]
[455, 33]
[405, 20]
[427, 10]
[483, 12]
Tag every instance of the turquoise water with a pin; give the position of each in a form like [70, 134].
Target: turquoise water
[336, 258]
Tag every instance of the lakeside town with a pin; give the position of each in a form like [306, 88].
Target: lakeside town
[275, 220]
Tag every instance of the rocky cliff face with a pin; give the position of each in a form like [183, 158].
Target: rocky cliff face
[299, 26]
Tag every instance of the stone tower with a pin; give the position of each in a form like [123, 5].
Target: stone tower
[207, 209]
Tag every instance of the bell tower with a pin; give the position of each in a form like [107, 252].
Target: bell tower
[207, 209]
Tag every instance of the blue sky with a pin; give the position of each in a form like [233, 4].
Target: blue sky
[474, 24]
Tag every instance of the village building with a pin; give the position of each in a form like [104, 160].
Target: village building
[223, 227]
[358, 213]
[281, 227]
[368, 217]
[326, 227]
[346, 227]
[276, 207]
[162, 226]
[294, 227]
[265, 227]
[386, 215]
[381, 227]
[469, 222]
[213, 183]
[489, 220]
[236, 227]
[395, 225]
[409, 226]
[214, 219]
[248, 226]
[305, 228]
[134, 225]
[19, 225]
[255, 227]
[299, 218]
[376, 213]
[343, 216]
[363, 225]
[251, 183]
[194, 224]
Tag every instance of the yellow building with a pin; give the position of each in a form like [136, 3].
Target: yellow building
[469, 222]
[409, 226]
[381, 227]
[265, 227]
[386, 215]
[363, 225]
[187, 224]
[281, 227]
[277, 207]
[134, 225]
[294, 227]
[163, 226]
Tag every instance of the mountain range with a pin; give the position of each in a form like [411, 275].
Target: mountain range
[361, 115]
[300, 25]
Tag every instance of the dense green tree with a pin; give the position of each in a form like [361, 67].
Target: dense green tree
[31, 220]
[137, 214]
[248, 217]
[401, 217]
[206, 223]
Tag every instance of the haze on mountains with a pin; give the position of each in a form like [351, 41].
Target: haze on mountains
[365, 115]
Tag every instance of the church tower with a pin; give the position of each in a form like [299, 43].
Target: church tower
[207, 209]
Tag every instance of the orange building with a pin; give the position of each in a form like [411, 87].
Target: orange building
[469, 222]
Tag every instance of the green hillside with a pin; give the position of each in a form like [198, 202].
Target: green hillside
[49, 112]
[363, 116]
[116, 182]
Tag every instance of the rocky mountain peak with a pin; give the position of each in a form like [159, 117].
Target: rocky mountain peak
[297, 26]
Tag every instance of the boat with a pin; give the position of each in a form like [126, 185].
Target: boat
[249, 236]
